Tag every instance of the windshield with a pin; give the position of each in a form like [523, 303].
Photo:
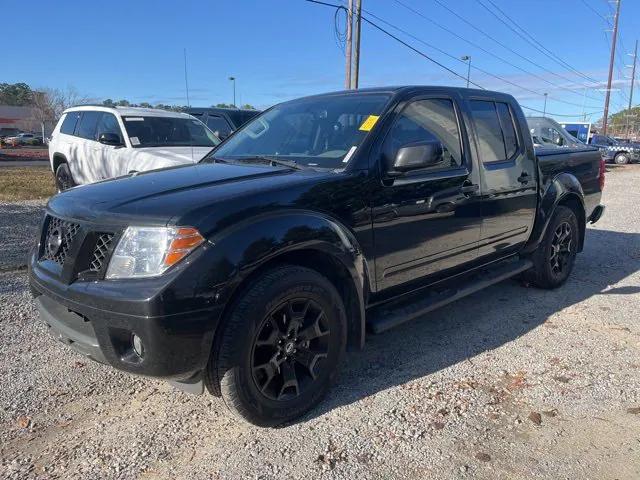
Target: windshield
[168, 132]
[321, 132]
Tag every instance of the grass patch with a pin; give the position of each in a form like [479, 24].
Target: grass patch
[26, 183]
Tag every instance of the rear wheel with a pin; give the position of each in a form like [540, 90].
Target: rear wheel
[621, 158]
[64, 180]
[281, 346]
[555, 256]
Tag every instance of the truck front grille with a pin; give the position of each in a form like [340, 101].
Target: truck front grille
[100, 251]
[59, 238]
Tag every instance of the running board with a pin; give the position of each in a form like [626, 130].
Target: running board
[388, 317]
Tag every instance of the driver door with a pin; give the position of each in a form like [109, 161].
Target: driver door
[426, 220]
[111, 162]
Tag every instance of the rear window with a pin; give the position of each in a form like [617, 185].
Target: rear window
[497, 137]
[69, 123]
[87, 126]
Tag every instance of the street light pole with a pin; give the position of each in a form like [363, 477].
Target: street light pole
[544, 112]
[233, 79]
[467, 58]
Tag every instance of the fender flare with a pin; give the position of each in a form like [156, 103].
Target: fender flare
[245, 249]
[563, 188]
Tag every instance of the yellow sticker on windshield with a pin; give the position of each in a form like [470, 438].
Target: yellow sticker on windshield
[369, 123]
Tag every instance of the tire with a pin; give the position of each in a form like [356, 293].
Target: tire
[64, 180]
[621, 158]
[264, 375]
[554, 258]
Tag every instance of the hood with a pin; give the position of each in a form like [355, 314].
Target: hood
[157, 197]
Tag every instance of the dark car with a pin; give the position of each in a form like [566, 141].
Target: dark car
[615, 151]
[223, 121]
[324, 217]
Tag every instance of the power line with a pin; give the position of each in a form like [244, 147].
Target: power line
[586, 4]
[531, 40]
[472, 66]
[472, 25]
[561, 87]
[422, 54]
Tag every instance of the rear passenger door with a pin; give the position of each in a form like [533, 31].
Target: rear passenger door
[507, 175]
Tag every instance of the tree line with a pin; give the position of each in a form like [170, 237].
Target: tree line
[48, 104]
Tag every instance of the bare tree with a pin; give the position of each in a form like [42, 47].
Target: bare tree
[49, 103]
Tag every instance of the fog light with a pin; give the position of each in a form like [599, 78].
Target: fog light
[137, 345]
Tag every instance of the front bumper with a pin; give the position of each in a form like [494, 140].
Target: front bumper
[99, 319]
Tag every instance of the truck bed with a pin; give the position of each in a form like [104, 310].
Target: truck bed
[583, 163]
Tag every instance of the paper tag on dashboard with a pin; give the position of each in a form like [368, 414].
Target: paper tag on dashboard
[369, 123]
[134, 140]
[134, 119]
[349, 154]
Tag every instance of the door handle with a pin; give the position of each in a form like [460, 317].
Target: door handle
[523, 178]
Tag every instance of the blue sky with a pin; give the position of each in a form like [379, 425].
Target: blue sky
[282, 49]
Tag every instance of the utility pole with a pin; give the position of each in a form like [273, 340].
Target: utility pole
[356, 41]
[614, 38]
[348, 59]
[544, 111]
[633, 79]
[467, 58]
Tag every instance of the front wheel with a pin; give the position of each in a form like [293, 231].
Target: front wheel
[281, 346]
[555, 256]
[621, 159]
[64, 180]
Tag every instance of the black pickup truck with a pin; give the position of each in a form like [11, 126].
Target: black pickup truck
[324, 217]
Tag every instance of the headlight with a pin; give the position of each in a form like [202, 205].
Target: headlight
[150, 251]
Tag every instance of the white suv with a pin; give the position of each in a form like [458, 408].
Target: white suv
[93, 143]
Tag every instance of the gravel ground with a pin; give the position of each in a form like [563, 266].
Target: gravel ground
[512, 382]
[19, 225]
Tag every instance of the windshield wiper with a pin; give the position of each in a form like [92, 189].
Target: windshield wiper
[275, 161]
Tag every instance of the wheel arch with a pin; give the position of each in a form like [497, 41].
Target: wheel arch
[57, 160]
[564, 189]
[304, 239]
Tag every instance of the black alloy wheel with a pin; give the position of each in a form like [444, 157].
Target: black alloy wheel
[561, 249]
[290, 348]
[280, 346]
[554, 258]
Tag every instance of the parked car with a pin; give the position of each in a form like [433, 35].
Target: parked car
[23, 138]
[546, 132]
[614, 151]
[223, 121]
[252, 271]
[93, 143]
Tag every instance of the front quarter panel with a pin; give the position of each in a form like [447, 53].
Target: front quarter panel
[240, 251]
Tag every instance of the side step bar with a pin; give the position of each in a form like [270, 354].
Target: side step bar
[387, 317]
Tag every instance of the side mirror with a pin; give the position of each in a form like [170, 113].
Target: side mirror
[416, 156]
[560, 141]
[112, 139]
[221, 136]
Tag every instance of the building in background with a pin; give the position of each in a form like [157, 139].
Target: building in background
[17, 119]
